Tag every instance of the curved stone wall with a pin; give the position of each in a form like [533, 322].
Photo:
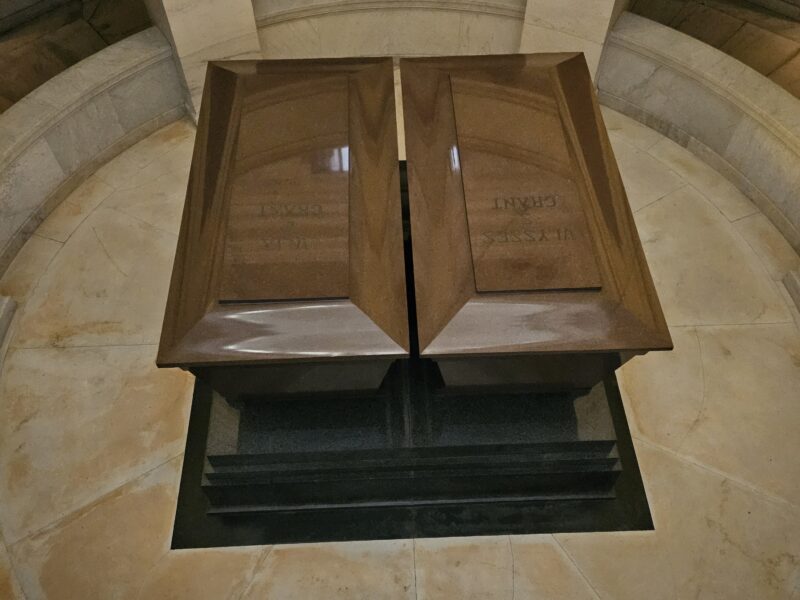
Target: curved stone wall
[789, 8]
[735, 119]
[54, 137]
[761, 39]
[316, 28]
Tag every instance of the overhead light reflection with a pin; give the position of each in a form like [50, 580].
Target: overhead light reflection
[339, 159]
[455, 163]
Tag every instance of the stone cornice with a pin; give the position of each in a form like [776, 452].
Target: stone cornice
[514, 9]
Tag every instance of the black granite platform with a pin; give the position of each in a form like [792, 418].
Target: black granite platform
[407, 463]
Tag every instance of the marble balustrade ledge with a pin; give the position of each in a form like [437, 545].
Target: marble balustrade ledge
[735, 119]
[57, 135]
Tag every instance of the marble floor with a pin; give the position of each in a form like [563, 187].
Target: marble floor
[91, 433]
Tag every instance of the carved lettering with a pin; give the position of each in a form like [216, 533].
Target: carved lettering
[560, 234]
[285, 243]
[522, 204]
[291, 210]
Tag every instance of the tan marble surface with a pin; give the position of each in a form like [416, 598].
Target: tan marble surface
[464, 568]
[369, 570]
[169, 150]
[28, 266]
[543, 570]
[121, 225]
[726, 398]
[517, 567]
[105, 549]
[120, 267]
[77, 423]
[714, 538]
[90, 516]
[725, 196]
[771, 247]
[215, 573]
[645, 178]
[628, 130]
[66, 217]
[705, 273]
[9, 587]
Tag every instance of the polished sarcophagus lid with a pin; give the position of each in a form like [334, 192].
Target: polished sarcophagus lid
[446, 328]
[527, 265]
[289, 273]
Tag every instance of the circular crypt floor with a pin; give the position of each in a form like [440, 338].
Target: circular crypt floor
[91, 433]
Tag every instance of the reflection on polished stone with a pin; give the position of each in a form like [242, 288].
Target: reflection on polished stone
[287, 233]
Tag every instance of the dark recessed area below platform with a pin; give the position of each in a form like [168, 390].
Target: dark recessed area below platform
[411, 460]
